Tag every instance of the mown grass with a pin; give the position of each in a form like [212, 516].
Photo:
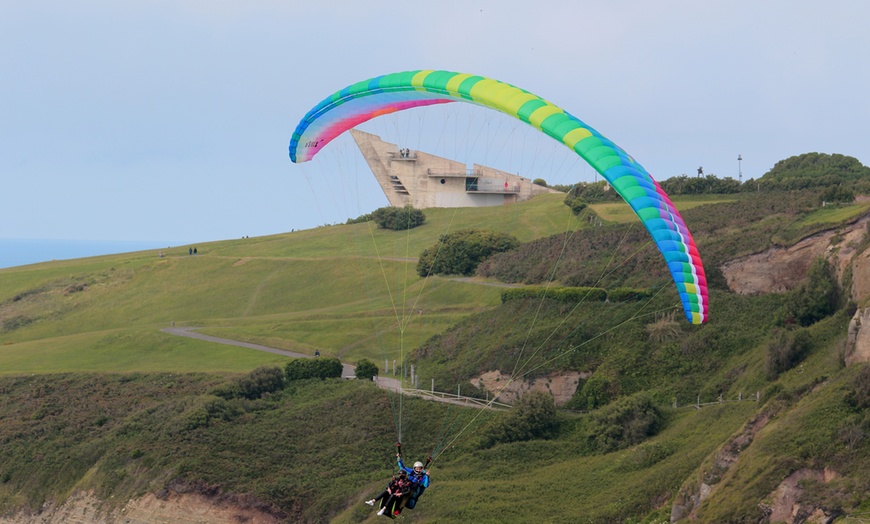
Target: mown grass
[122, 350]
[345, 290]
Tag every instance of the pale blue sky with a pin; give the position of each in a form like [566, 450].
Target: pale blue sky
[169, 120]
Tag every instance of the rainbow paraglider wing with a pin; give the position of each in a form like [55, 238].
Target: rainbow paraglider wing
[386, 94]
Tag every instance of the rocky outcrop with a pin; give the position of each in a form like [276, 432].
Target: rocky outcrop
[858, 341]
[561, 385]
[84, 507]
[690, 496]
[783, 505]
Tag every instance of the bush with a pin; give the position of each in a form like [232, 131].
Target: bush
[266, 379]
[577, 205]
[366, 369]
[303, 368]
[859, 397]
[785, 349]
[624, 423]
[533, 417]
[360, 219]
[262, 380]
[398, 219]
[816, 298]
[459, 253]
[591, 192]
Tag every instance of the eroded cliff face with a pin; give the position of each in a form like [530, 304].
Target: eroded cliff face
[83, 507]
[780, 269]
[561, 385]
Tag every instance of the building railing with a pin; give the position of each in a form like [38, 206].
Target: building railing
[453, 173]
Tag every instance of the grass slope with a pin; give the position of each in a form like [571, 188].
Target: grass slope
[146, 412]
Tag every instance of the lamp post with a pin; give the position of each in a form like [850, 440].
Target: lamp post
[739, 168]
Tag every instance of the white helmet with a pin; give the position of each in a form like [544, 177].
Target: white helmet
[418, 464]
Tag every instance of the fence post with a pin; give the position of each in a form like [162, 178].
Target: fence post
[433, 385]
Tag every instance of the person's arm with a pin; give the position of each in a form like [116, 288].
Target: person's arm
[399, 458]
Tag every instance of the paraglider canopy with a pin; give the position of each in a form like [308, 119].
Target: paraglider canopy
[363, 101]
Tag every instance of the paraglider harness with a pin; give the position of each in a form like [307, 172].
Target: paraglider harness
[418, 485]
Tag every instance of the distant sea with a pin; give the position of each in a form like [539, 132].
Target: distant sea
[18, 251]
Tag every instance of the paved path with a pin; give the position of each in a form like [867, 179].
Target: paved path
[347, 371]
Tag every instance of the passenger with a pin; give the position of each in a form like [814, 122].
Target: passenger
[392, 497]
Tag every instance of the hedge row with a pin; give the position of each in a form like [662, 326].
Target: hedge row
[576, 294]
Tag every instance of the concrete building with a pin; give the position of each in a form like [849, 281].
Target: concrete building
[422, 180]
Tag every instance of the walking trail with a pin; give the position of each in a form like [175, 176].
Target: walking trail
[347, 371]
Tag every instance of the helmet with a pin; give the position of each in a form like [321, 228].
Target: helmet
[403, 473]
[418, 464]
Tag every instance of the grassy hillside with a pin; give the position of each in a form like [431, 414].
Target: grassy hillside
[342, 290]
[149, 411]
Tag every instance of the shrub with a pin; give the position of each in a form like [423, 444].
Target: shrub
[460, 252]
[539, 182]
[785, 349]
[303, 368]
[366, 369]
[859, 397]
[816, 298]
[591, 192]
[265, 379]
[397, 218]
[624, 423]
[533, 417]
[663, 329]
[360, 219]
